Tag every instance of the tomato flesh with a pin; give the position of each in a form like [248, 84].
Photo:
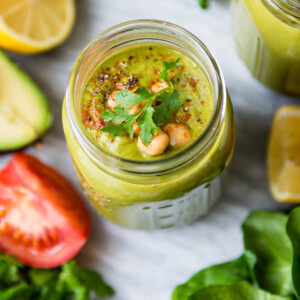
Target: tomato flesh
[43, 220]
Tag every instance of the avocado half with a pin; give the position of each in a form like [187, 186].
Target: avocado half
[24, 111]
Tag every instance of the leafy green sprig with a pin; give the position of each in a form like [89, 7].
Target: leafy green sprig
[68, 282]
[148, 117]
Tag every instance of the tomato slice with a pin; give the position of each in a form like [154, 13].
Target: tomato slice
[43, 220]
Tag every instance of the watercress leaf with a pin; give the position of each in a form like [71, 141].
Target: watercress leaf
[168, 65]
[147, 126]
[126, 99]
[81, 281]
[293, 230]
[113, 129]
[94, 282]
[224, 274]
[21, 291]
[9, 273]
[175, 101]
[51, 293]
[203, 3]
[81, 293]
[43, 276]
[239, 291]
[10, 259]
[265, 235]
[68, 279]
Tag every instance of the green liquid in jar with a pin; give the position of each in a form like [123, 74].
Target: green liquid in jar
[268, 44]
[142, 65]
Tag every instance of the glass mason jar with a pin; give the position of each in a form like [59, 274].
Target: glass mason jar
[267, 36]
[154, 194]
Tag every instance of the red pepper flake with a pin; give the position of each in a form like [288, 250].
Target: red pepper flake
[91, 116]
[204, 85]
[184, 118]
[202, 102]
[193, 82]
[182, 67]
[161, 56]
[183, 86]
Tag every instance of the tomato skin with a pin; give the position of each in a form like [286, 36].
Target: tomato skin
[43, 220]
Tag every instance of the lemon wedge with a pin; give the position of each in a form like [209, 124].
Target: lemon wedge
[284, 155]
[33, 26]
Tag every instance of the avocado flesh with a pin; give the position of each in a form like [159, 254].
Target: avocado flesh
[24, 111]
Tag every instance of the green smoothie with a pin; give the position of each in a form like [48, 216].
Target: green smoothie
[268, 41]
[130, 93]
[142, 66]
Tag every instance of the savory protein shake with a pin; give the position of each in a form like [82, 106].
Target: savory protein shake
[149, 125]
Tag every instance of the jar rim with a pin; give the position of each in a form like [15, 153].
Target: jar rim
[147, 167]
[290, 7]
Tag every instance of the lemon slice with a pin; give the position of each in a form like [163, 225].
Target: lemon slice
[33, 26]
[284, 155]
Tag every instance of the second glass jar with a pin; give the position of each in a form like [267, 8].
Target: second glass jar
[267, 36]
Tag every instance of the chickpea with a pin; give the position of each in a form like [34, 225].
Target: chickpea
[158, 144]
[111, 103]
[179, 134]
[159, 85]
[136, 128]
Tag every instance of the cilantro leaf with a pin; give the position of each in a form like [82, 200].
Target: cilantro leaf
[147, 117]
[143, 93]
[147, 126]
[175, 101]
[128, 126]
[170, 101]
[126, 99]
[162, 112]
[168, 66]
[119, 115]
[113, 129]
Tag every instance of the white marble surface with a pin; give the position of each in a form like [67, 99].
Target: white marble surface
[143, 265]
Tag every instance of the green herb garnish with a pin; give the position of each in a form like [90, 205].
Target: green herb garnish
[204, 3]
[148, 117]
[70, 281]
